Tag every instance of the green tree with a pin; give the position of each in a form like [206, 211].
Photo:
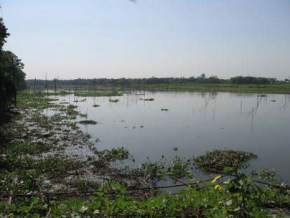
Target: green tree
[12, 77]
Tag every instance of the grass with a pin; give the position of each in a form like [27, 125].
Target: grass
[224, 87]
[98, 93]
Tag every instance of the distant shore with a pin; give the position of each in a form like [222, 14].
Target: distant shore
[223, 87]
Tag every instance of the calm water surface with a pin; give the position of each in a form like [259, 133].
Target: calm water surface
[195, 123]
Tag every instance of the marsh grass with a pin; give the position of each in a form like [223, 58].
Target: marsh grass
[98, 93]
[221, 87]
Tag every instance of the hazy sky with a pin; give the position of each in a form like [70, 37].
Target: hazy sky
[118, 38]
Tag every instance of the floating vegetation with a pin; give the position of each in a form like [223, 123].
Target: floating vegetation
[114, 154]
[70, 111]
[114, 100]
[219, 161]
[88, 122]
[179, 168]
[83, 115]
[164, 109]
[96, 105]
[148, 99]
[262, 95]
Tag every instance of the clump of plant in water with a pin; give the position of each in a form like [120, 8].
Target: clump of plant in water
[221, 160]
[113, 100]
[114, 154]
[71, 110]
[148, 99]
[88, 122]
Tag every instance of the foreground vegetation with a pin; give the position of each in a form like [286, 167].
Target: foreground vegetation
[40, 176]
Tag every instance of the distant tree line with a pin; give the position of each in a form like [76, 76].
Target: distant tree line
[12, 77]
[252, 80]
[127, 83]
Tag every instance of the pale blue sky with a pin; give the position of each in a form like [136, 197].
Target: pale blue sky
[118, 38]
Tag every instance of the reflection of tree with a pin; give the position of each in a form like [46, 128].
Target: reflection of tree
[253, 110]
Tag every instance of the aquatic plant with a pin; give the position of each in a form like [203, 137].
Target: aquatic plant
[114, 154]
[148, 99]
[114, 100]
[221, 160]
[88, 122]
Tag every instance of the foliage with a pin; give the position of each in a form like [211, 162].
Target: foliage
[252, 80]
[11, 73]
[235, 197]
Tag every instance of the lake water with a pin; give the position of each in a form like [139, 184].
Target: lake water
[195, 123]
